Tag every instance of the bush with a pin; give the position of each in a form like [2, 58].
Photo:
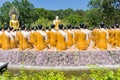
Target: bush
[95, 74]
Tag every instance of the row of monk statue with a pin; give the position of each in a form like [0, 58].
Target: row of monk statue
[65, 38]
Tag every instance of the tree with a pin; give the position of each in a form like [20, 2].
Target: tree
[4, 12]
[26, 15]
[93, 17]
[107, 10]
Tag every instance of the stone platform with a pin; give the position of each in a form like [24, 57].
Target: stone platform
[63, 58]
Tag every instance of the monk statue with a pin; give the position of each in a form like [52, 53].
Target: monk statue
[13, 14]
[56, 22]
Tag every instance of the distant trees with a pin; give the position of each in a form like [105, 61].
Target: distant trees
[107, 11]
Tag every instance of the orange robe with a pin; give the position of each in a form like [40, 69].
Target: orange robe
[13, 42]
[102, 40]
[48, 37]
[111, 38]
[117, 38]
[61, 42]
[24, 43]
[75, 37]
[5, 41]
[52, 38]
[17, 38]
[70, 39]
[32, 37]
[0, 39]
[40, 42]
[94, 37]
[82, 43]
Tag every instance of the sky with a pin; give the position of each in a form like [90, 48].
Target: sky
[57, 4]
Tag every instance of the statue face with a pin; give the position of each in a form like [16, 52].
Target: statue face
[57, 17]
[13, 17]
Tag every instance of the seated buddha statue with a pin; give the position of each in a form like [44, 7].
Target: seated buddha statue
[56, 22]
[61, 39]
[117, 36]
[41, 38]
[102, 38]
[24, 36]
[70, 36]
[14, 23]
[82, 41]
[52, 36]
[6, 38]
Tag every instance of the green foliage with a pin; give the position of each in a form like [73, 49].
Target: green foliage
[107, 11]
[43, 21]
[95, 74]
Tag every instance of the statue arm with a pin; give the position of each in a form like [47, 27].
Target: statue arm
[54, 22]
[18, 24]
[10, 23]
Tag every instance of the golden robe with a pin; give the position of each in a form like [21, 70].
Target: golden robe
[61, 42]
[70, 39]
[82, 43]
[40, 42]
[24, 43]
[52, 38]
[111, 39]
[76, 33]
[117, 38]
[0, 39]
[32, 37]
[102, 40]
[5, 41]
[94, 37]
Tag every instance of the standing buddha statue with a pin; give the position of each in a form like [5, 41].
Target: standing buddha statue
[56, 22]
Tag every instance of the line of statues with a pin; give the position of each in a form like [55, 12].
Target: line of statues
[65, 38]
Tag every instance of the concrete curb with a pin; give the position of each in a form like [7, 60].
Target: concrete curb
[63, 68]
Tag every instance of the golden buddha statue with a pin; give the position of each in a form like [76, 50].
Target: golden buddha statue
[13, 14]
[56, 22]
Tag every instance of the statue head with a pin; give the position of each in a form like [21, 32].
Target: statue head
[57, 17]
[13, 17]
[13, 14]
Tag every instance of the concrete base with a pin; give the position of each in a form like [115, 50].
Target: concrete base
[59, 60]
